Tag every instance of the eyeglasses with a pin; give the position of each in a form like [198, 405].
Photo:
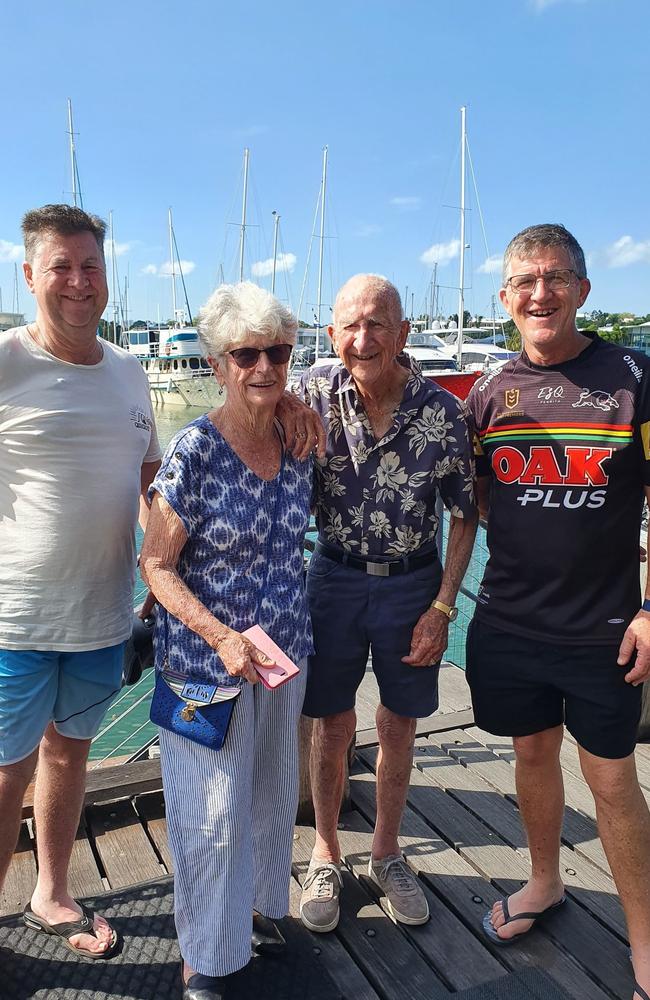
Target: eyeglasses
[247, 357]
[524, 284]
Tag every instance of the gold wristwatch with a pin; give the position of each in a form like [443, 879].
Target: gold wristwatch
[452, 613]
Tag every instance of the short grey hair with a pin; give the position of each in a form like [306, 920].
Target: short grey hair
[542, 237]
[235, 313]
[63, 220]
[380, 284]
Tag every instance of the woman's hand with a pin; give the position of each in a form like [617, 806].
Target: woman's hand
[303, 427]
[239, 655]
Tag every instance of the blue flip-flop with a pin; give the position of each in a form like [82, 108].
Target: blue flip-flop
[642, 993]
[491, 932]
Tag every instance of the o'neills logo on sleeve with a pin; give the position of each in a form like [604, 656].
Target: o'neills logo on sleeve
[542, 471]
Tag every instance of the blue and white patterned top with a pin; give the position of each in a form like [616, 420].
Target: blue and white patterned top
[378, 498]
[226, 511]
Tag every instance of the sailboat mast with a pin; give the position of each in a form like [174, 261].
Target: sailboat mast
[321, 251]
[461, 278]
[113, 276]
[276, 224]
[172, 260]
[16, 302]
[73, 155]
[242, 231]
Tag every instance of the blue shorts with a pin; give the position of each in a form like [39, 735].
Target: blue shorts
[352, 613]
[72, 690]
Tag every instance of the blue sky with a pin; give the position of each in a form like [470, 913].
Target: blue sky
[166, 95]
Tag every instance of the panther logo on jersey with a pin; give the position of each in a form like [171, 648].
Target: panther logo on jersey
[599, 399]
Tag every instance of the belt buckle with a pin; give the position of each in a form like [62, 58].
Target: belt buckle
[378, 569]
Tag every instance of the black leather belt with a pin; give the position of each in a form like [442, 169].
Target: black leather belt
[389, 568]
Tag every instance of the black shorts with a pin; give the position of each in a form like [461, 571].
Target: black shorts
[522, 686]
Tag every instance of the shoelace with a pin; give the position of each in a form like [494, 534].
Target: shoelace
[322, 881]
[399, 874]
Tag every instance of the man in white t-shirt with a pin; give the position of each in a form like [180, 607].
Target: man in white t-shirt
[78, 450]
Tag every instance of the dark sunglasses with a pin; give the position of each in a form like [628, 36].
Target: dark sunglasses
[247, 357]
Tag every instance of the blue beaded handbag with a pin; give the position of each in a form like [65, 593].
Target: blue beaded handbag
[198, 710]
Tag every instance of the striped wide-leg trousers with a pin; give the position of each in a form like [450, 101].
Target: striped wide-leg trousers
[230, 819]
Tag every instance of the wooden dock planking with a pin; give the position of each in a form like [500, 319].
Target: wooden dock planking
[589, 885]
[380, 949]
[462, 834]
[84, 877]
[21, 877]
[469, 893]
[340, 964]
[583, 935]
[460, 956]
[151, 810]
[126, 852]
[579, 829]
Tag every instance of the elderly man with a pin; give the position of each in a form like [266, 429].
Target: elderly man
[78, 449]
[560, 635]
[395, 442]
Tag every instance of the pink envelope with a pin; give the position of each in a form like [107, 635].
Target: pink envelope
[284, 669]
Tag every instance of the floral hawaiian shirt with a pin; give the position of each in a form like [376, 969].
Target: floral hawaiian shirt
[378, 498]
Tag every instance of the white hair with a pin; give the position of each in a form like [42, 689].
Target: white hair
[235, 313]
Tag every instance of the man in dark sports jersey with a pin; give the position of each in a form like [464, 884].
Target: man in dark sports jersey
[560, 635]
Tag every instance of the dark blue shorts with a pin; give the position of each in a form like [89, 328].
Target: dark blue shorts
[522, 686]
[353, 613]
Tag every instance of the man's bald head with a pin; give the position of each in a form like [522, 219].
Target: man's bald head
[361, 284]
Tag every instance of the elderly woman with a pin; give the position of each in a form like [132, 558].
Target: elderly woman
[223, 552]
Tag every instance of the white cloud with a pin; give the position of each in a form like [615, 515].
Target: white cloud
[149, 269]
[542, 5]
[441, 253]
[285, 262]
[186, 266]
[406, 201]
[627, 251]
[10, 252]
[492, 265]
[120, 248]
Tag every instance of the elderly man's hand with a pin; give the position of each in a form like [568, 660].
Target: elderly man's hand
[429, 639]
[239, 655]
[302, 427]
[637, 637]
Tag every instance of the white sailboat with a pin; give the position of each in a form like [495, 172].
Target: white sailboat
[171, 356]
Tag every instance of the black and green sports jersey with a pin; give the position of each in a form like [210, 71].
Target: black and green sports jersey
[567, 449]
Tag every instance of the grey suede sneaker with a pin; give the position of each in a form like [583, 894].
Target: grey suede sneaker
[319, 903]
[405, 900]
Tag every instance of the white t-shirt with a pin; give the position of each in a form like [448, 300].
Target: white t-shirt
[72, 442]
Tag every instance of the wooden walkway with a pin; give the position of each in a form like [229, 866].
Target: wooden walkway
[461, 834]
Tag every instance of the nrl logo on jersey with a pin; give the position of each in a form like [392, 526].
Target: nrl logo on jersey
[511, 398]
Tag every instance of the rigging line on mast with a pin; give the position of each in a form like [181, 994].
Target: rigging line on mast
[485, 242]
[180, 271]
[308, 261]
[226, 232]
[287, 286]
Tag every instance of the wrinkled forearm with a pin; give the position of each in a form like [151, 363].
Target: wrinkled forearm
[174, 595]
[460, 542]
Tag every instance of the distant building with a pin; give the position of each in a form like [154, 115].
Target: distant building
[638, 336]
[9, 320]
